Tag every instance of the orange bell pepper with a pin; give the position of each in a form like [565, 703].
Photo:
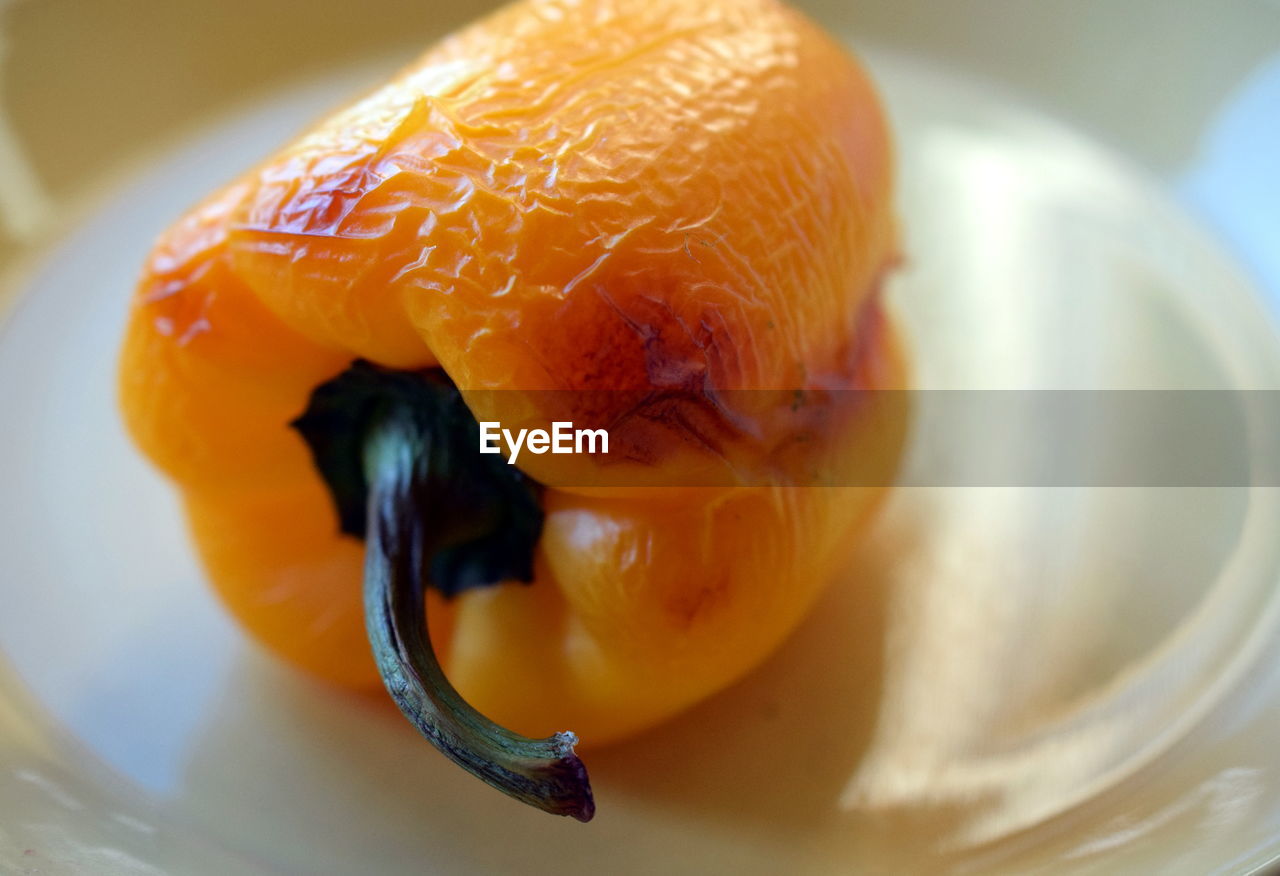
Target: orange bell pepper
[583, 202]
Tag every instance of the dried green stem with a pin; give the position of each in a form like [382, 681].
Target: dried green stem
[399, 547]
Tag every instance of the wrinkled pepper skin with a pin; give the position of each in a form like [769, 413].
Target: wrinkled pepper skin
[566, 195]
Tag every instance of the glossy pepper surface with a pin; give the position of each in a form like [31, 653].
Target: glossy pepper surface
[605, 195]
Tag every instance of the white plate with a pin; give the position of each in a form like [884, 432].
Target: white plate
[1011, 678]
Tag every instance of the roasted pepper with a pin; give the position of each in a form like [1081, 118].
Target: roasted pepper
[649, 214]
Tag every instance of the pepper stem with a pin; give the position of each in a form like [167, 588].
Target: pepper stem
[399, 546]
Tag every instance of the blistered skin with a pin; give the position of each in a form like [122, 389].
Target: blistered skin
[609, 194]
